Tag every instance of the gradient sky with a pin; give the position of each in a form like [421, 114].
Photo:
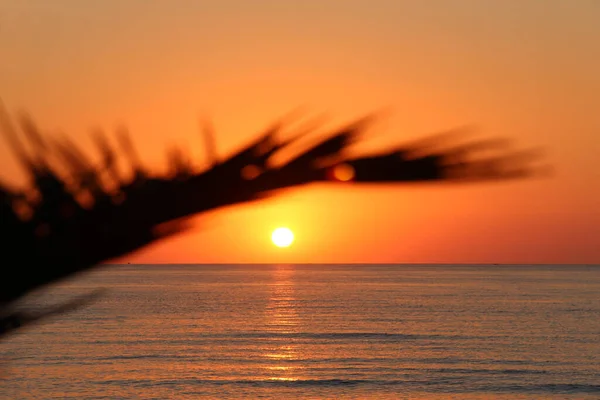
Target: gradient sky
[527, 69]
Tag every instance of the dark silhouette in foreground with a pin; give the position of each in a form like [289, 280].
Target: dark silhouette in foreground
[77, 214]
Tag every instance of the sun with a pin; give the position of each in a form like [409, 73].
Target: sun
[282, 237]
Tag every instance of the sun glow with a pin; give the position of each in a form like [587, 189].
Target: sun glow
[343, 172]
[282, 237]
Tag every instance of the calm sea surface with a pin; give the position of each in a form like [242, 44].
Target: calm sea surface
[318, 331]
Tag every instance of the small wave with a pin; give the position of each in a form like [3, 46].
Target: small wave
[334, 335]
[199, 337]
[446, 385]
[143, 357]
[470, 371]
[249, 382]
[553, 388]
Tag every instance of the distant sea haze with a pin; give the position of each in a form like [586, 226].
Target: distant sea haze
[315, 331]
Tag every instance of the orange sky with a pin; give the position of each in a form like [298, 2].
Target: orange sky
[525, 69]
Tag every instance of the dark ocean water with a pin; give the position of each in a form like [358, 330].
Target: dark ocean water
[316, 331]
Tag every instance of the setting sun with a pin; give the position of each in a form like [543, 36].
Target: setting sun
[282, 237]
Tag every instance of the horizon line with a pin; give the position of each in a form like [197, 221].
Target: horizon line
[352, 264]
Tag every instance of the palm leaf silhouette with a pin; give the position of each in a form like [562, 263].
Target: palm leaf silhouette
[73, 226]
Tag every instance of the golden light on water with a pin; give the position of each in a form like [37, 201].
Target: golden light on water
[282, 318]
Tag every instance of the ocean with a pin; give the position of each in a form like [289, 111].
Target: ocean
[314, 332]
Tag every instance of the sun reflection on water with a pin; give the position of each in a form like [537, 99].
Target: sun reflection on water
[282, 321]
